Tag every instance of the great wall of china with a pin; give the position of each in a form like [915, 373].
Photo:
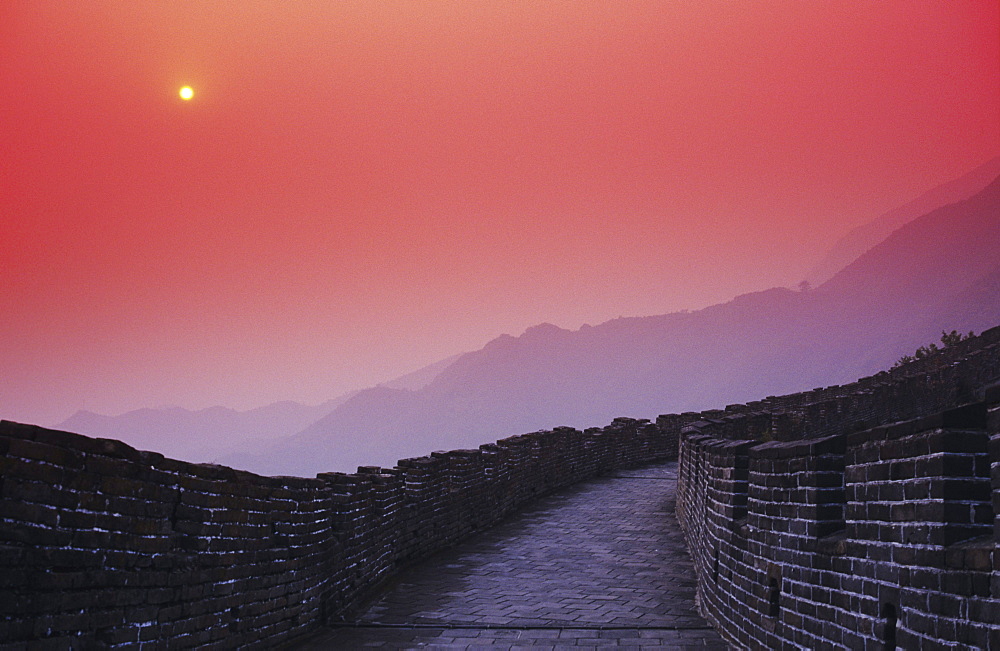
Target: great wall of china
[856, 516]
[853, 520]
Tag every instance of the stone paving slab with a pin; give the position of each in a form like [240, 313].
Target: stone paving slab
[602, 563]
[493, 638]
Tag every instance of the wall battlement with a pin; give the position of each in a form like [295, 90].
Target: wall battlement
[104, 546]
[865, 519]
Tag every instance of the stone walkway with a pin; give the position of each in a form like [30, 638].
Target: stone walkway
[599, 564]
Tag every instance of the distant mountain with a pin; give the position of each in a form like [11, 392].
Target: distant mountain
[421, 377]
[204, 435]
[864, 237]
[940, 271]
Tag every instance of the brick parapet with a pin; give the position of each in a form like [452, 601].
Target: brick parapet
[884, 532]
[105, 546]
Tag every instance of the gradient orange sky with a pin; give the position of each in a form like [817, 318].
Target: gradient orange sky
[359, 189]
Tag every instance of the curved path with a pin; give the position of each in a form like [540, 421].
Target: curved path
[601, 563]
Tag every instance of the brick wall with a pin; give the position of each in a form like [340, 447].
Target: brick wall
[103, 546]
[861, 517]
[798, 536]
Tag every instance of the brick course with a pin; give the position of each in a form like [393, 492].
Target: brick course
[104, 546]
[864, 516]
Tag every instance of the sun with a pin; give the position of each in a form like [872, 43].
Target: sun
[186, 93]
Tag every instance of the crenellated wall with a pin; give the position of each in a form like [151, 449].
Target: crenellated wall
[103, 546]
[810, 521]
[865, 519]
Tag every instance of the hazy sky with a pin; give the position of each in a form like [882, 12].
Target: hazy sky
[358, 189]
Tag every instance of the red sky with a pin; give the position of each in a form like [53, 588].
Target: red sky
[359, 189]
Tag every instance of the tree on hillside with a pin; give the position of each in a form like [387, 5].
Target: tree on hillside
[948, 339]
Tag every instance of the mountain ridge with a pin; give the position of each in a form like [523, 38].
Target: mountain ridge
[862, 238]
[937, 271]
[770, 342]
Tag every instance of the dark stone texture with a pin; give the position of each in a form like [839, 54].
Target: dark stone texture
[601, 563]
[915, 492]
[105, 546]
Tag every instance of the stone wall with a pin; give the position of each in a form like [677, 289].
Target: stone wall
[863, 516]
[103, 546]
[852, 537]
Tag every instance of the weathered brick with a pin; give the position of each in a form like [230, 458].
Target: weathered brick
[916, 493]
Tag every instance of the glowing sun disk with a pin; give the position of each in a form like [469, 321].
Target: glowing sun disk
[186, 92]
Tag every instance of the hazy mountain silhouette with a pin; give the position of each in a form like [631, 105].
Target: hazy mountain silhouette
[421, 377]
[856, 242]
[940, 271]
[205, 435]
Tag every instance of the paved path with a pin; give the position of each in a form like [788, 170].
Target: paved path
[601, 563]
